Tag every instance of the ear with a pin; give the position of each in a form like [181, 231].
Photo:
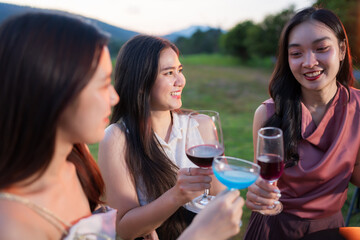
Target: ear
[342, 47]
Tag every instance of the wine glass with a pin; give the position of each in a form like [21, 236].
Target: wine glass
[235, 173]
[204, 141]
[270, 158]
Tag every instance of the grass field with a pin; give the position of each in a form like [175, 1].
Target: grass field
[221, 84]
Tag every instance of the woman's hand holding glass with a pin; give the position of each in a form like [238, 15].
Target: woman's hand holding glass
[191, 182]
[262, 197]
[269, 155]
[204, 141]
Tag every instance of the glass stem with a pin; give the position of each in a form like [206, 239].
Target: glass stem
[206, 193]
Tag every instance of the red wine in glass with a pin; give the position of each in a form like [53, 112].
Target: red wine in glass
[269, 156]
[271, 166]
[204, 141]
[203, 155]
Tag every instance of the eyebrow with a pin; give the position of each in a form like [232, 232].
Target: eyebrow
[315, 41]
[168, 68]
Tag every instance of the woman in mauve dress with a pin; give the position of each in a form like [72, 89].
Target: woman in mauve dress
[314, 103]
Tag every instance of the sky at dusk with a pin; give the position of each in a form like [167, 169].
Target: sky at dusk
[160, 17]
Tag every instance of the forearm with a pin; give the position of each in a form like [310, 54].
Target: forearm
[143, 220]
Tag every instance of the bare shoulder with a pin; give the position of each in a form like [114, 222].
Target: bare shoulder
[20, 222]
[113, 133]
[260, 116]
[120, 190]
[112, 143]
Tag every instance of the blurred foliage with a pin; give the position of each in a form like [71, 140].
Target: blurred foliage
[200, 42]
[114, 47]
[251, 41]
[235, 41]
[349, 13]
[248, 40]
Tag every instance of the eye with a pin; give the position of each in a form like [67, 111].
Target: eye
[295, 53]
[169, 73]
[180, 70]
[322, 49]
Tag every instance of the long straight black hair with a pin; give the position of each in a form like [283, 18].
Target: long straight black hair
[135, 74]
[286, 91]
[46, 59]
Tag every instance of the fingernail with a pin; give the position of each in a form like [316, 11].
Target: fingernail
[277, 190]
[276, 202]
[278, 195]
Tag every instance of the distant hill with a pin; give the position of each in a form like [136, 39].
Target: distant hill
[187, 32]
[117, 34]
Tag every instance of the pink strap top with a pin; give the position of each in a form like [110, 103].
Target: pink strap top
[317, 186]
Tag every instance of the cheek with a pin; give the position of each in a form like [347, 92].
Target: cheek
[294, 65]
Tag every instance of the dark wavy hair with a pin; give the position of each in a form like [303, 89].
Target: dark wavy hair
[286, 91]
[135, 74]
[46, 59]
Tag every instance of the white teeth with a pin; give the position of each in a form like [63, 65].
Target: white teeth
[313, 74]
[175, 93]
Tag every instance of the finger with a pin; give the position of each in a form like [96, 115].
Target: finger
[184, 172]
[254, 206]
[195, 187]
[265, 185]
[201, 171]
[238, 208]
[269, 193]
[261, 199]
[194, 179]
[228, 196]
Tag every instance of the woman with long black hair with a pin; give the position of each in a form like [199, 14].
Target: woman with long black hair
[148, 177]
[314, 103]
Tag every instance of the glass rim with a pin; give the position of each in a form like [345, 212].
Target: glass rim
[280, 132]
[217, 159]
[204, 111]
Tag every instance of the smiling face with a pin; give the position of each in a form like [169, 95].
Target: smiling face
[87, 117]
[166, 93]
[314, 55]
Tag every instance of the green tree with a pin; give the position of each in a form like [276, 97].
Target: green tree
[349, 13]
[235, 43]
[247, 39]
[200, 42]
[114, 47]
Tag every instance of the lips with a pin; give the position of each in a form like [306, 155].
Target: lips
[311, 76]
[175, 93]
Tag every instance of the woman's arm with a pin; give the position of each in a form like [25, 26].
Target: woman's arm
[261, 195]
[134, 220]
[355, 178]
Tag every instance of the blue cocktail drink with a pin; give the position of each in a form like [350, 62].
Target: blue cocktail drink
[235, 173]
[236, 179]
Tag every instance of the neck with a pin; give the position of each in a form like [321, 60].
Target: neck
[161, 122]
[317, 102]
[58, 169]
[318, 98]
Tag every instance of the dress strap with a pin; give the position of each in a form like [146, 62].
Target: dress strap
[45, 213]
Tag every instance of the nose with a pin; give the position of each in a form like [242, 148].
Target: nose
[310, 60]
[114, 97]
[180, 80]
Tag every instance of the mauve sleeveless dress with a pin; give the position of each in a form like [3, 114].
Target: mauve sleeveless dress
[314, 191]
